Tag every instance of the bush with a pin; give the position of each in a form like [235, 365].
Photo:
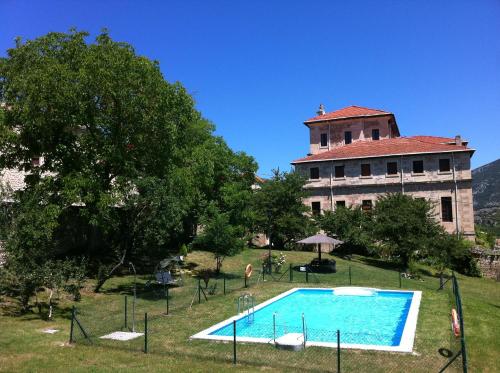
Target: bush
[453, 252]
[183, 250]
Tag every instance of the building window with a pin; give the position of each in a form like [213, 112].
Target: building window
[347, 137]
[339, 172]
[444, 165]
[366, 169]
[340, 204]
[314, 173]
[316, 208]
[446, 209]
[392, 168]
[35, 161]
[366, 205]
[418, 167]
[375, 134]
[324, 140]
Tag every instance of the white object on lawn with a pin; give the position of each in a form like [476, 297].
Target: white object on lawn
[122, 336]
[50, 331]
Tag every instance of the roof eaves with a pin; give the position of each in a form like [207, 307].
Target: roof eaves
[348, 117]
[383, 155]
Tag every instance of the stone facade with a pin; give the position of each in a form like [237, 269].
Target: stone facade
[361, 130]
[352, 189]
[12, 179]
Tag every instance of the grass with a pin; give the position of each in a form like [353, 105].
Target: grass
[25, 348]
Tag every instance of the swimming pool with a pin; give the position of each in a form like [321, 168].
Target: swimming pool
[367, 318]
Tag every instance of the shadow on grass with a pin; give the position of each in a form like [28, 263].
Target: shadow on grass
[35, 312]
[379, 263]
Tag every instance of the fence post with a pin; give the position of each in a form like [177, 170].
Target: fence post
[399, 273]
[224, 280]
[291, 273]
[338, 351]
[274, 328]
[441, 281]
[350, 279]
[307, 273]
[199, 291]
[126, 323]
[234, 341]
[168, 306]
[263, 273]
[146, 333]
[461, 321]
[72, 325]
[245, 280]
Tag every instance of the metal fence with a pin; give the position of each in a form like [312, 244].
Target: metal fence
[153, 312]
[458, 350]
[351, 276]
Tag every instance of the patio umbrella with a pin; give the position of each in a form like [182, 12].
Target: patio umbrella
[318, 239]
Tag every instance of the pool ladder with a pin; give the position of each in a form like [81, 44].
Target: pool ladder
[304, 328]
[246, 303]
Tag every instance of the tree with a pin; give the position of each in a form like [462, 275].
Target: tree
[122, 148]
[453, 252]
[219, 236]
[351, 224]
[279, 211]
[31, 251]
[405, 225]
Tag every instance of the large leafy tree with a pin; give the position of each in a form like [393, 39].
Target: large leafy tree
[279, 211]
[219, 236]
[351, 225]
[120, 145]
[405, 225]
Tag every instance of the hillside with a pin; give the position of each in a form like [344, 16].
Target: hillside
[486, 193]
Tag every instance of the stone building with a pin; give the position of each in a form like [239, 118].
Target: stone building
[357, 154]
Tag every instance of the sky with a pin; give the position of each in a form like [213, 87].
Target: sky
[257, 69]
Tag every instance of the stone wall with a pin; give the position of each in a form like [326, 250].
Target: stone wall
[489, 262]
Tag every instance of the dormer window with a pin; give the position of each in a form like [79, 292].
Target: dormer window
[375, 134]
[324, 140]
[35, 161]
[347, 137]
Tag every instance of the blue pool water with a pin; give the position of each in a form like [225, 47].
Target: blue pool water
[369, 320]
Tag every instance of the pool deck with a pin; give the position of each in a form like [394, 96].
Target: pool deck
[407, 337]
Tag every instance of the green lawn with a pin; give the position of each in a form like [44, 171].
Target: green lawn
[24, 347]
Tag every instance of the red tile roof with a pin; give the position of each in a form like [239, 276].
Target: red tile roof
[386, 147]
[349, 112]
[438, 139]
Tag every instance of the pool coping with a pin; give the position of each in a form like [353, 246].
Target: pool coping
[405, 345]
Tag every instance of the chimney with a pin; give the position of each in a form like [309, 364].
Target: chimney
[321, 110]
[458, 140]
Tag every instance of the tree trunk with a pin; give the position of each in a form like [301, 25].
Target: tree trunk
[51, 292]
[218, 264]
[103, 279]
